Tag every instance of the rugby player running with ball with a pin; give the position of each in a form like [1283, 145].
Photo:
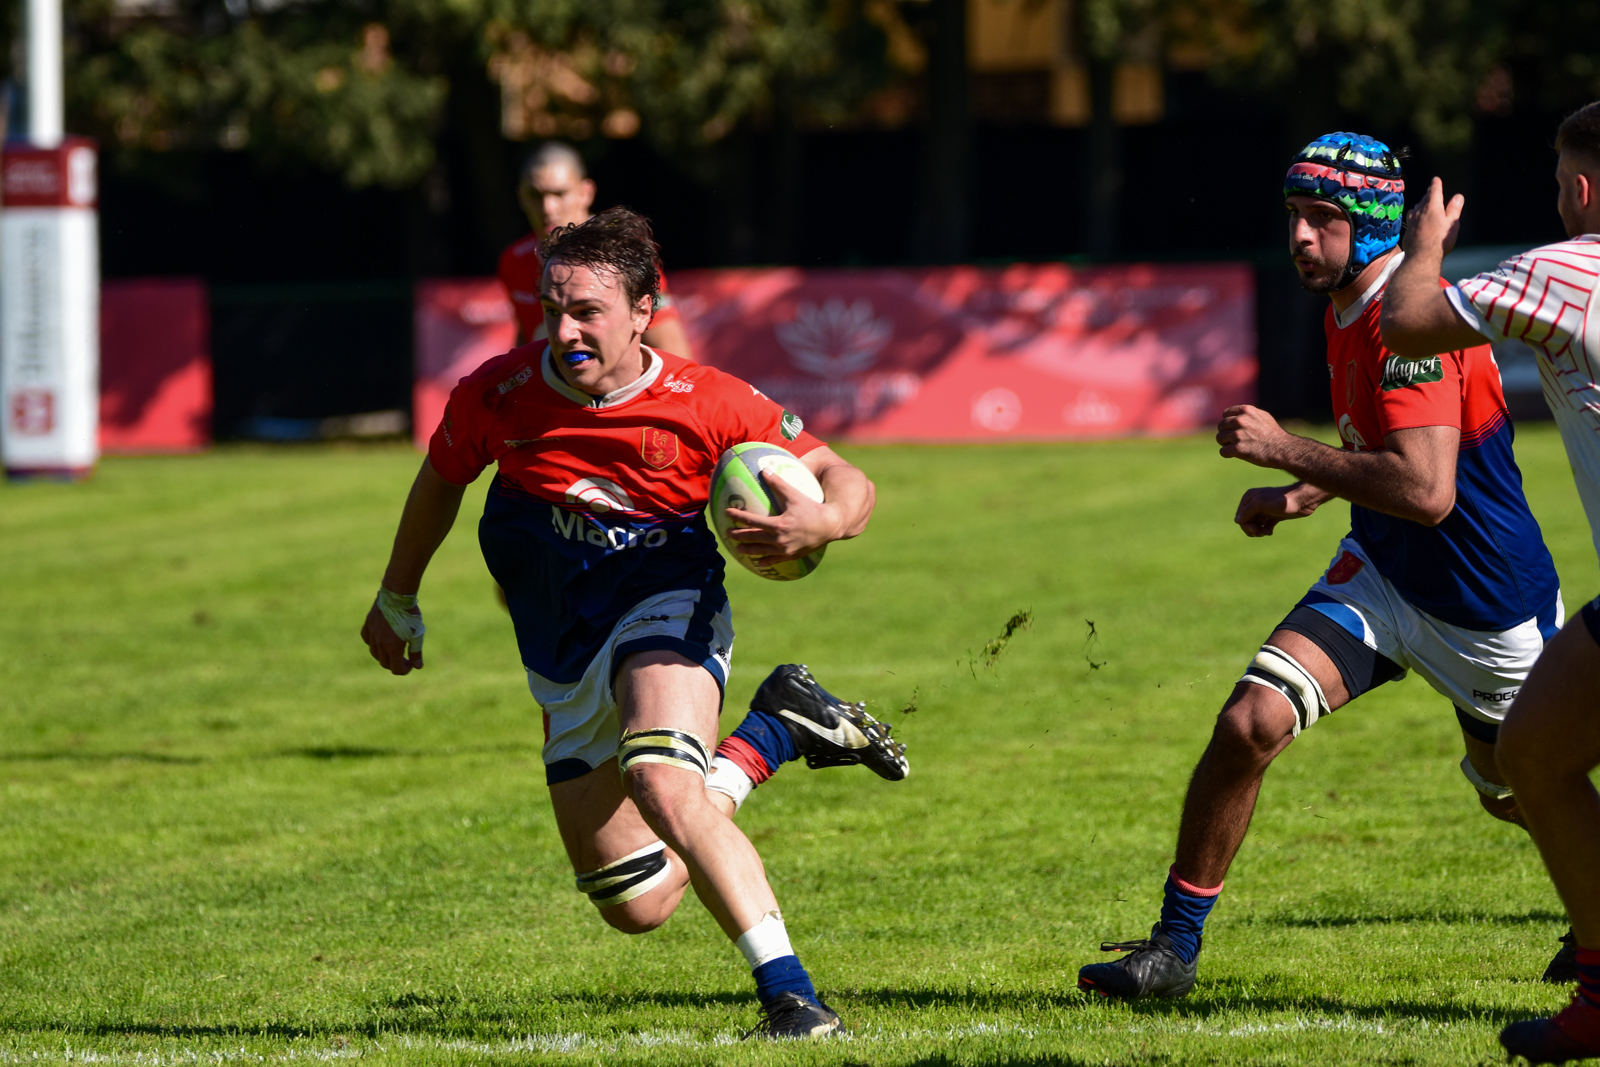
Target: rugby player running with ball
[1546, 298]
[594, 528]
[1444, 570]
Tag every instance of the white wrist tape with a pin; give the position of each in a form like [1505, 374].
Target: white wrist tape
[767, 940]
[397, 612]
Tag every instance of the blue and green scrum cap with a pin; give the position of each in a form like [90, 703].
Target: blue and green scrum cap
[1362, 175]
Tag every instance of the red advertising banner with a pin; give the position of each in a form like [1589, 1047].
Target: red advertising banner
[155, 366]
[460, 322]
[1028, 351]
[981, 353]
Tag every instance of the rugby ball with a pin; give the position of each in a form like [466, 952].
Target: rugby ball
[740, 482]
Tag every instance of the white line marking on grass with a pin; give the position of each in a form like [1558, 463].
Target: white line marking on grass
[572, 1043]
[539, 1043]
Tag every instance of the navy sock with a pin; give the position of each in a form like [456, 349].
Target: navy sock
[764, 732]
[783, 975]
[1183, 916]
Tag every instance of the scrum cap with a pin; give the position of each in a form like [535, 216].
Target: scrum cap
[1362, 175]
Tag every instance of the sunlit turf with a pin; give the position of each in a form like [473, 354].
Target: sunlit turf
[227, 835]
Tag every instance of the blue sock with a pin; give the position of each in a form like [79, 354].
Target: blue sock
[1183, 916]
[766, 734]
[783, 975]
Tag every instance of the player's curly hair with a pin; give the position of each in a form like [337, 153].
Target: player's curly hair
[1579, 133]
[617, 241]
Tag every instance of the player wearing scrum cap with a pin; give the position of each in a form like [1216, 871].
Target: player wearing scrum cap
[554, 190]
[1444, 570]
[594, 527]
[1547, 299]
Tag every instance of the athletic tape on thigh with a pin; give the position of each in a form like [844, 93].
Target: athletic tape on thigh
[1482, 784]
[675, 748]
[1276, 669]
[621, 880]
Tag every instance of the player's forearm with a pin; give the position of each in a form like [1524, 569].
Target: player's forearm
[851, 493]
[1381, 480]
[429, 513]
[1417, 320]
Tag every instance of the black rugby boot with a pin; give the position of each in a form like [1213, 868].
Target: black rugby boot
[789, 1015]
[827, 731]
[1563, 969]
[1151, 968]
[1572, 1034]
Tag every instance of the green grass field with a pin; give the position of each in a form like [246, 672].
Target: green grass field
[228, 836]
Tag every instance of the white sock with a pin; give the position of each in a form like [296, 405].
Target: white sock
[727, 778]
[767, 940]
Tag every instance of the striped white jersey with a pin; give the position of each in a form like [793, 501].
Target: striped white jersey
[1547, 300]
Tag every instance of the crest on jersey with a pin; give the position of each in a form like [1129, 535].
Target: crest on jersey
[1347, 567]
[658, 447]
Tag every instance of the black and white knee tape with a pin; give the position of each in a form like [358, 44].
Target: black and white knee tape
[621, 880]
[1276, 669]
[675, 748]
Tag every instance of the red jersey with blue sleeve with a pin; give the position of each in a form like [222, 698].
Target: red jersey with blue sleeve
[1485, 567]
[598, 503]
[521, 271]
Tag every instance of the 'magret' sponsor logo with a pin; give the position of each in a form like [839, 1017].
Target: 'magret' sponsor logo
[1399, 373]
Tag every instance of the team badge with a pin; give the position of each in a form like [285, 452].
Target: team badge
[1347, 567]
[790, 426]
[658, 447]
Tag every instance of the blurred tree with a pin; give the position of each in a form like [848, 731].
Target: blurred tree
[359, 86]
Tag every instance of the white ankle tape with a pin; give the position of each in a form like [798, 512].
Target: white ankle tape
[1492, 790]
[767, 940]
[729, 779]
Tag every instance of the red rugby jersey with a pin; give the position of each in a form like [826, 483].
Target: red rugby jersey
[521, 270]
[1485, 567]
[598, 502]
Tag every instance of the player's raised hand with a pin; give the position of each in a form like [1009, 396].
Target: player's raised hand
[389, 646]
[1432, 226]
[802, 527]
[1246, 432]
[1260, 510]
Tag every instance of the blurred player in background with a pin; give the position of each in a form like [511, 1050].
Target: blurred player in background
[595, 528]
[1546, 298]
[555, 191]
[1444, 570]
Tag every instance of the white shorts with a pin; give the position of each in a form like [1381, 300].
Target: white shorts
[581, 726]
[1478, 671]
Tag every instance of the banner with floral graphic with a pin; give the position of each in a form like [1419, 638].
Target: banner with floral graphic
[459, 323]
[975, 353]
[1028, 351]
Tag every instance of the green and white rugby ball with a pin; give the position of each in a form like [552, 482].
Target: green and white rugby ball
[740, 482]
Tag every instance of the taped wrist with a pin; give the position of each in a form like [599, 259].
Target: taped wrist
[397, 612]
[675, 748]
[1489, 789]
[1276, 669]
[632, 876]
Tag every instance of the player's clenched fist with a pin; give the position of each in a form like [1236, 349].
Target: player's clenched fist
[393, 624]
[1248, 433]
[1260, 510]
[1433, 224]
